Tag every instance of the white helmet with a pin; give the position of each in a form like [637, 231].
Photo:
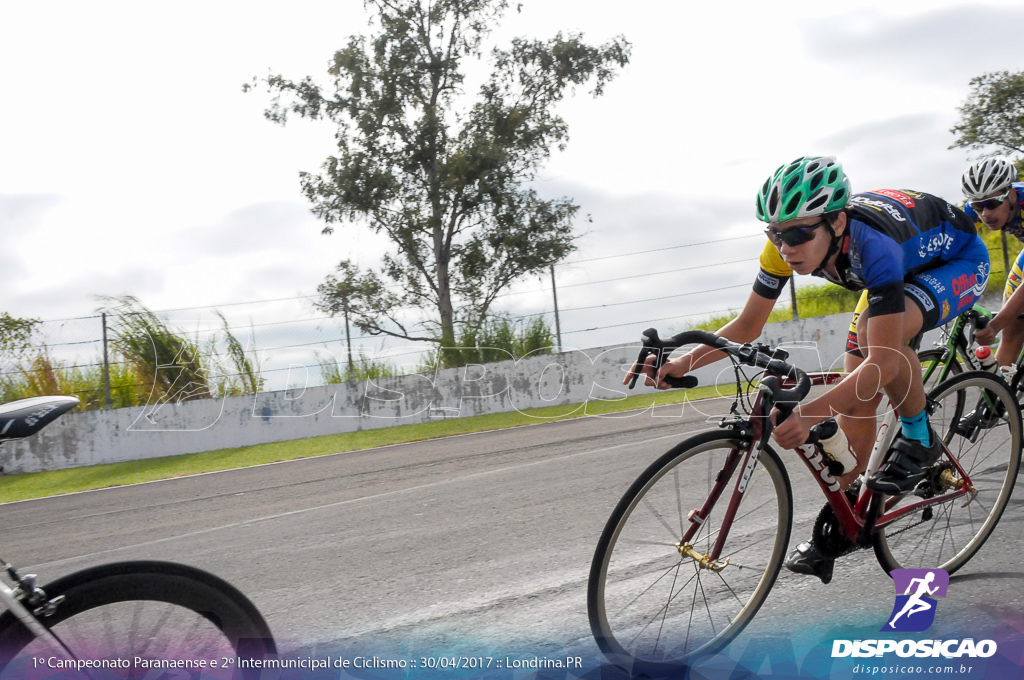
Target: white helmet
[988, 176]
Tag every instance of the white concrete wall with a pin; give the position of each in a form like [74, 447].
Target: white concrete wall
[568, 379]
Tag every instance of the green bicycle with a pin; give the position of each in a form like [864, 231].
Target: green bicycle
[955, 356]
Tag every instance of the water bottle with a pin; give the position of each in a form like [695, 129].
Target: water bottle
[987, 359]
[835, 446]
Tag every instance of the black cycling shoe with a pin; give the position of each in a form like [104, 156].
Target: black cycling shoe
[807, 559]
[817, 557]
[981, 418]
[906, 465]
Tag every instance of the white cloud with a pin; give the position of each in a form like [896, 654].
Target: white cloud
[943, 46]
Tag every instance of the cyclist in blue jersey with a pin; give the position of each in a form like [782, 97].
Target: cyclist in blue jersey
[896, 246]
[996, 199]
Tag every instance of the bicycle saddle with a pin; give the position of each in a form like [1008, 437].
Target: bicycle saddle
[25, 417]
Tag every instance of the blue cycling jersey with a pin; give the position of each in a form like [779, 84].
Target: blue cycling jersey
[892, 236]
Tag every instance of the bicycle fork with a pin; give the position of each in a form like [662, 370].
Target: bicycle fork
[698, 516]
[35, 597]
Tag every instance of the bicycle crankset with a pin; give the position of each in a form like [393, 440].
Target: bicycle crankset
[828, 537]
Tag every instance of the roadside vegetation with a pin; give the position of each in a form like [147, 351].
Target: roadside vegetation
[147, 361]
[150, 361]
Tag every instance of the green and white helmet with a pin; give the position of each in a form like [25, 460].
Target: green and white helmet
[809, 186]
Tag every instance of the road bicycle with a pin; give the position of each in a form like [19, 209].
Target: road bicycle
[695, 545]
[124, 619]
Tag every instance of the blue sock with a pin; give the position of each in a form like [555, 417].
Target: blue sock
[917, 428]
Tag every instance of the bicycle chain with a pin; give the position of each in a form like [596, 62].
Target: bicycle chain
[907, 528]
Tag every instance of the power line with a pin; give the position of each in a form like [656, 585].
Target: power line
[640, 276]
[658, 299]
[663, 249]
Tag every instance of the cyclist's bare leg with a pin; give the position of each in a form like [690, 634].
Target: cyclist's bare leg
[907, 390]
[904, 388]
[859, 424]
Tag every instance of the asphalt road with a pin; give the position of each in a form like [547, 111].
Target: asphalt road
[478, 544]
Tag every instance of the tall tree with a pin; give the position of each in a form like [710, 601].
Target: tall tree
[993, 114]
[445, 176]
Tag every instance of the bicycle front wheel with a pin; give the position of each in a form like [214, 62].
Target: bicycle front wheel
[140, 615]
[986, 441]
[651, 603]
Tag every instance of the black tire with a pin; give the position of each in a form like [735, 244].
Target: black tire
[947, 535]
[155, 610]
[650, 607]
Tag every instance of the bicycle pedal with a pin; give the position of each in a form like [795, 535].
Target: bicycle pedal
[967, 431]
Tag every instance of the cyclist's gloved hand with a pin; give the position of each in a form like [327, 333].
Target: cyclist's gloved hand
[792, 431]
[987, 335]
[672, 374]
[660, 378]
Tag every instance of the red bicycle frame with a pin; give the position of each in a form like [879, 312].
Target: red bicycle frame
[852, 517]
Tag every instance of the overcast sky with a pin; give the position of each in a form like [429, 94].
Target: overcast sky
[132, 163]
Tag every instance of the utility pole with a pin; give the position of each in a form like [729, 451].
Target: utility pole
[348, 339]
[558, 325]
[108, 402]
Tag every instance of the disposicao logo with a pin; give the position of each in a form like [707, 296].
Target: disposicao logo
[914, 611]
[916, 590]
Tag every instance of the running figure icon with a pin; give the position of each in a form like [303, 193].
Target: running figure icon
[915, 604]
[919, 588]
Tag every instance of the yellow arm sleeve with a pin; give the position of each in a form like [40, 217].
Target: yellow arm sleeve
[774, 273]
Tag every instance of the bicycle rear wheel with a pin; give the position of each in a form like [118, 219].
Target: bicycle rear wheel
[649, 604]
[947, 535]
[137, 613]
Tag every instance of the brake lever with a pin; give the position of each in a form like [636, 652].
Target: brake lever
[641, 359]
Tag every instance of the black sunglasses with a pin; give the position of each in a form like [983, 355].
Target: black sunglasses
[794, 236]
[989, 203]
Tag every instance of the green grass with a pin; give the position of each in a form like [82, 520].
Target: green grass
[56, 482]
